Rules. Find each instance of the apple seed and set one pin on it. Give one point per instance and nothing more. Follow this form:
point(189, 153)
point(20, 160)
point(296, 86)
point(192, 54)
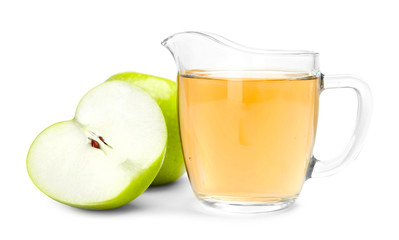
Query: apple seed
point(94, 143)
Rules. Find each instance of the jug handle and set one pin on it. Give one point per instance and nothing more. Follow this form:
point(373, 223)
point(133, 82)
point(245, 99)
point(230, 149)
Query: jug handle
point(323, 168)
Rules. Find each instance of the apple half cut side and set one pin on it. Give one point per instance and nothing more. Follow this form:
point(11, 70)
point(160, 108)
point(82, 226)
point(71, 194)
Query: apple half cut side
point(164, 91)
point(107, 155)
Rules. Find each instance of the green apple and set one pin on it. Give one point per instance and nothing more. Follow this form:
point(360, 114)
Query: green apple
point(107, 155)
point(164, 91)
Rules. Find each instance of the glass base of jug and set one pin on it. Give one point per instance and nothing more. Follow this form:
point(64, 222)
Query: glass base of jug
point(234, 206)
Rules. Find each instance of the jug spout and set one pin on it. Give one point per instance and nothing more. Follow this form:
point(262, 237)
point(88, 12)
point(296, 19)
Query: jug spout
point(200, 50)
point(193, 51)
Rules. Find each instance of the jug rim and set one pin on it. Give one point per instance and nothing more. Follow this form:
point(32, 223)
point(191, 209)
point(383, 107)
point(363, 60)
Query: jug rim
point(228, 43)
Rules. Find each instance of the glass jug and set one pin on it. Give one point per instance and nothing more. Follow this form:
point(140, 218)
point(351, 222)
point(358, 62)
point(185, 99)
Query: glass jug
point(248, 121)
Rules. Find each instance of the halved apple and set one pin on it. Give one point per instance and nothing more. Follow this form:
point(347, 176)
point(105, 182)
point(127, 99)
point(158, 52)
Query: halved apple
point(107, 155)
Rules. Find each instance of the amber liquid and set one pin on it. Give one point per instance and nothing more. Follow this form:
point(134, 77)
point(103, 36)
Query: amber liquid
point(247, 137)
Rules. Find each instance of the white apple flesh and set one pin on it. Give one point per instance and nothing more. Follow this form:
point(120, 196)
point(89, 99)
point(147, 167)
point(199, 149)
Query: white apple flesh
point(164, 91)
point(107, 155)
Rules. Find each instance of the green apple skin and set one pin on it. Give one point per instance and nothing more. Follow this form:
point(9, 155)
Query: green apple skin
point(164, 91)
point(136, 187)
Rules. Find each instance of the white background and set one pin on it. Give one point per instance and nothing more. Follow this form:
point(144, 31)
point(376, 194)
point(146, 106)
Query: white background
point(52, 52)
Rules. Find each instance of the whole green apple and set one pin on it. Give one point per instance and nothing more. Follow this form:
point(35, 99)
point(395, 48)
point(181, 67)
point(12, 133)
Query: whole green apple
point(164, 91)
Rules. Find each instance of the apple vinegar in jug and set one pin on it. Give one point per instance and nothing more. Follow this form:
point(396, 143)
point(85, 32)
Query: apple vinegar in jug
point(247, 134)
